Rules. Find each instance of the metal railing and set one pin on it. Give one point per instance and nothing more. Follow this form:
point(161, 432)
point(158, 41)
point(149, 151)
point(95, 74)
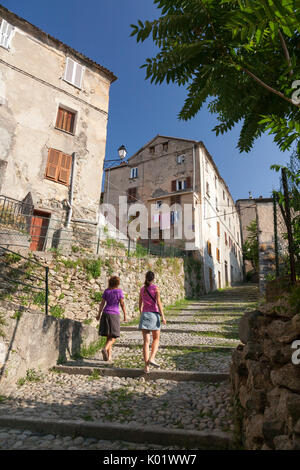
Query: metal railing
point(23, 277)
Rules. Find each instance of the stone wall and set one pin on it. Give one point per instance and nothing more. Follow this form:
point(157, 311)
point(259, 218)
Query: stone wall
point(265, 381)
point(76, 281)
point(35, 341)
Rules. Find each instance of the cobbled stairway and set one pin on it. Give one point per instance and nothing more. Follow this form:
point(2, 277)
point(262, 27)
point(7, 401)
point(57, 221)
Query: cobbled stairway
point(90, 404)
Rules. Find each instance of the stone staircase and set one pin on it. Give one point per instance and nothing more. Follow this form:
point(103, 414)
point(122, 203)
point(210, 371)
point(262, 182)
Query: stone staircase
point(92, 404)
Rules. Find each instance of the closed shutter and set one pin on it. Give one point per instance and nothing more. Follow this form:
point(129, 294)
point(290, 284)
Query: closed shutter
point(188, 182)
point(65, 120)
point(53, 164)
point(6, 31)
point(65, 168)
point(173, 186)
point(218, 228)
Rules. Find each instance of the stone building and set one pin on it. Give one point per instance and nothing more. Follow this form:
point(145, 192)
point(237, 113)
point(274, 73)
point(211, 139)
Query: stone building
point(177, 172)
point(53, 122)
point(262, 211)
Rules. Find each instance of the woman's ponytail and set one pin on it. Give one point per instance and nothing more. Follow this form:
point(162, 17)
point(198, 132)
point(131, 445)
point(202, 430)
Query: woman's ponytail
point(149, 278)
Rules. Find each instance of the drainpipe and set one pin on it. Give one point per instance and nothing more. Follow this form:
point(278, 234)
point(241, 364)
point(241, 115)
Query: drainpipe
point(70, 202)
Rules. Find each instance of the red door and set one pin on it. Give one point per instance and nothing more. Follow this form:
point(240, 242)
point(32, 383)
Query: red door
point(38, 230)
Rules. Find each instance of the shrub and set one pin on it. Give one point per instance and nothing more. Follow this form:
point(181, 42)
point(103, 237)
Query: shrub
point(92, 267)
point(57, 311)
point(39, 298)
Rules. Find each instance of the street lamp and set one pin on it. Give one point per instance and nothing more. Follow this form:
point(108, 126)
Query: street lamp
point(122, 155)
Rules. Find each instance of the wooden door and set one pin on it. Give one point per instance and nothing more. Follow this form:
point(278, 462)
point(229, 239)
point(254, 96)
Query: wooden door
point(38, 230)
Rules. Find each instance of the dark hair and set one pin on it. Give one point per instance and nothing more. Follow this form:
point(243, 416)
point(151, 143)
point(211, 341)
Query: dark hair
point(149, 278)
point(113, 282)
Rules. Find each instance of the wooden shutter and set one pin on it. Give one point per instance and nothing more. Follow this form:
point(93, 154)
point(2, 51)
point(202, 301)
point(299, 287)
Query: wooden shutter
point(218, 228)
point(65, 168)
point(53, 164)
point(65, 120)
point(188, 182)
point(6, 31)
point(173, 186)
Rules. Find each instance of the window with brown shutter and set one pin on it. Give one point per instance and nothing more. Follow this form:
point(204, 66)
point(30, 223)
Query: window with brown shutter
point(188, 182)
point(175, 200)
point(58, 167)
point(218, 228)
point(65, 120)
point(218, 255)
point(173, 186)
point(209, 248)
point(131, 195)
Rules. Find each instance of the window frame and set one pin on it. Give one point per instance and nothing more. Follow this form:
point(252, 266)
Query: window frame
point(134, 173)
point(68, 59)
point(180, 159)
point(11, 34)
point(68, 110)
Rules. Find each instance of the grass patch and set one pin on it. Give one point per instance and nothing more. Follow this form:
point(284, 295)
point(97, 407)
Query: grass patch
point(57, 311)
point(39, 298)
point(96, 296)
point(94, 376)
point(31, 376)
point(93, 348)
point(92, 267)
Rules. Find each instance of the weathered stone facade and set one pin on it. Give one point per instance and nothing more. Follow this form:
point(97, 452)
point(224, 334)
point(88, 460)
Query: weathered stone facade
point(265, 379)
point(34, 86)
point(168, 171)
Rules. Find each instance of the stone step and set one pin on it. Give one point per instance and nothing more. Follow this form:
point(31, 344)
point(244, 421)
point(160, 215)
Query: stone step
point(177, 322)
point(174, 330)
point(179, 376)
point(202, 440)
point(179, 347)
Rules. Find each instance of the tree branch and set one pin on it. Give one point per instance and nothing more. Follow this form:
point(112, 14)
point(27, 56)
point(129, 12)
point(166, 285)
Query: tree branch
point(269, 88)
point(286, 52)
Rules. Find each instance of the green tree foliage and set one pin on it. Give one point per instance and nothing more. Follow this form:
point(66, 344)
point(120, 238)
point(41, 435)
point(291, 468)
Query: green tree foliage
point(240, 55)
point(250, 247)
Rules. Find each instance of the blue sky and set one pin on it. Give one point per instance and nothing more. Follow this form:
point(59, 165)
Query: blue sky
point(139, 110)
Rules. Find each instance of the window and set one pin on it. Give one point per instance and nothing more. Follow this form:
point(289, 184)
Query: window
point(180, 159)
point(218, 228)
point(133, 173)
point(65, 120)
point(224, 195)
point(73, 73)
point(151, 150)
point(216, 182)
point(217, 205)
point(131, 195)
point(6, 34)
point(165, 146)
point(218, 255)
point(226, 243)
point(209, 249)
point(180, 185)
point(207, 189)
point(224, 215)
point(228, 201)
point(158, 204)
point(58, 166)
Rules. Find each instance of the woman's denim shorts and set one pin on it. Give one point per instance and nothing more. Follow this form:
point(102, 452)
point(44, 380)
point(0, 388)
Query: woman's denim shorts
point(149, 321)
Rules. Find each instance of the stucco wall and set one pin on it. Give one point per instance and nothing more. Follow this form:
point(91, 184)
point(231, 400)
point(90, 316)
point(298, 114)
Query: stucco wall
point(32, 88)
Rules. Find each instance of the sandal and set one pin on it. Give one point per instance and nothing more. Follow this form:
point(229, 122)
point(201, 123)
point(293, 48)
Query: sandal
point(104, 354)
point(154, 364)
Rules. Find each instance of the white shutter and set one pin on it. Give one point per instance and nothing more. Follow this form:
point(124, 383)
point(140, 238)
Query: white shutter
point(78, 75)
point(70, 64)
point(6, 31)
point(74, 72)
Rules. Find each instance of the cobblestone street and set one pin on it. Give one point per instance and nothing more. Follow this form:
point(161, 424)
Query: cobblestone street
point(196, 406)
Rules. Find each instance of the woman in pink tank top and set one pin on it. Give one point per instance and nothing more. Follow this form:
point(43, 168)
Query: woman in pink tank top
point(151, 310)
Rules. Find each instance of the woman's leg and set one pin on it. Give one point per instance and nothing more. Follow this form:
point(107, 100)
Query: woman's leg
point(146, 338)
point(155, 344)
point(108, 346)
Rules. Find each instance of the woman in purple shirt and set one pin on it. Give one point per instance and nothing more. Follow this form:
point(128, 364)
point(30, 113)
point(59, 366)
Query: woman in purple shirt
point(110, 318)
point(150, 309)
